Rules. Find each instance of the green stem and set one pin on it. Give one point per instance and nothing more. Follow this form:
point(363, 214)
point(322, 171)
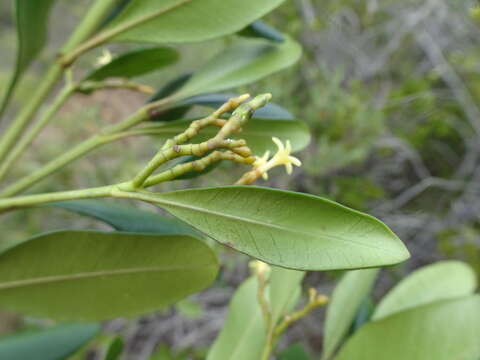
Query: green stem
point(33, 200)
point(109, 134)
point(25, 115)
point(91, 21)
point(122, 189)
point(33, 131)
point(172, 149)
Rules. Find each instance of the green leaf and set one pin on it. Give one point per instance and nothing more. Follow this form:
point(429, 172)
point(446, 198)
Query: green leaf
point(110, 274)
point(112, 348)
point(443, 330)
point(345, 302)
point(135, 63)
point(171, 87)
point(261, 29)
point(32, 23)
point(242, 63)
point(440, 281)
point(294, 352)
point(364, 314)
point(127, 218)
point(257, 132)
point(287, 229)
point(49, 344)
point(186, 20)
point(284, 289)
point(244, 333)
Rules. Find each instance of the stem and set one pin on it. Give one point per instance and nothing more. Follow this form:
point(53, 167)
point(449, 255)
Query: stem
point(275, 331)
point(89, 86)
point(32, 200)
point(25, 115)
point(107, 135)
point(172, 149)
point(32, 132)
point(91, 21)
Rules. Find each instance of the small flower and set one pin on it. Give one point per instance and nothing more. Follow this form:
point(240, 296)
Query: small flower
point(282, 157)
point(105, 58)
point(262, 165)
point(259, 267)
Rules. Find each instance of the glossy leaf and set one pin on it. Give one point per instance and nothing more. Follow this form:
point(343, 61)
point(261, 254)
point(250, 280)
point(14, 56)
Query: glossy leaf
point(127, 218)
point(243, 63)
point(87, 275)
point(135, 63)
point(49, 344)
point(285, 289)
point(257, 132)
point(287, 229)
point(440, 281)
point(244, 333)
point(345, 302)
point(443, 330)
point(31, 23)
point(186, 20)
point(261, 29)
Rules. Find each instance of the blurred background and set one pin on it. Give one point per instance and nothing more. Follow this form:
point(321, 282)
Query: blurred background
point(391, 92)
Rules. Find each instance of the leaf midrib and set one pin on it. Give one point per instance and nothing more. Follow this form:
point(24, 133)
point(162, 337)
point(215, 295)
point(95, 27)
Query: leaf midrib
point(278, 227)
point(143, 19)
point(88, 275)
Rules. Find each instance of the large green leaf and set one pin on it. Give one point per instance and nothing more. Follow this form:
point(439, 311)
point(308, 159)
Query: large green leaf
point(443, 330)
point(135, 63)
point(50, 344)
point(284, 289)
point(32, 21)
point(244, 333)
point(186, 20)
point(257, 132)
point(86, 275)
point(287, 229)
point(127, 218)
point(440, 281)
point(244, 62)
point(345, 302)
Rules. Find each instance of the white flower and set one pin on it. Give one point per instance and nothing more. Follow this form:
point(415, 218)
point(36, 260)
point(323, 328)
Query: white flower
point(105, 58)
point(282, 157)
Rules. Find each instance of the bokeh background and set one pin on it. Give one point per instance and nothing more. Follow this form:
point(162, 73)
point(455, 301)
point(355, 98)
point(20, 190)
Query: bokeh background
point(391, 92)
